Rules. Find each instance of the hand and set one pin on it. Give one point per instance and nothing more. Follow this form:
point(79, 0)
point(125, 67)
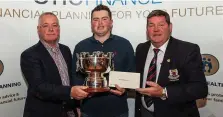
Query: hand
point(201, 102)
point(155, 90)
point(119, 91)
point(78, 92)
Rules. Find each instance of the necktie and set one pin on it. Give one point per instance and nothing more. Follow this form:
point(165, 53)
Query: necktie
point(151, 76)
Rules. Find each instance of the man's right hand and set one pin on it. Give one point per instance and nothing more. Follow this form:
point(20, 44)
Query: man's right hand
point(78, 92)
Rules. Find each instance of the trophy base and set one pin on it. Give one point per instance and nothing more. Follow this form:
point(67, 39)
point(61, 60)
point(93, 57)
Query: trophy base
point(96, 90)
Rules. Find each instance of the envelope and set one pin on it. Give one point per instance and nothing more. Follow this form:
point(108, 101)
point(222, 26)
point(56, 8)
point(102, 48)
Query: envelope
point(124, 79)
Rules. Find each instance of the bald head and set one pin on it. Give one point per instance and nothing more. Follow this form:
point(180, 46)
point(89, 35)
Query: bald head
point(44, 14)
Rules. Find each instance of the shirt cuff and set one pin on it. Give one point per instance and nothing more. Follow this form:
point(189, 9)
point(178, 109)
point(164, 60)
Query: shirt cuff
point(164, 94)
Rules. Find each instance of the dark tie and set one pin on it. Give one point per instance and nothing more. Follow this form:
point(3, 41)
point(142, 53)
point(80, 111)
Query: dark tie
point(151, 76)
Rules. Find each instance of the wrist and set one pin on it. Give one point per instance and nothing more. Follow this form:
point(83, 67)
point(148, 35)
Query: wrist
point(71, 97)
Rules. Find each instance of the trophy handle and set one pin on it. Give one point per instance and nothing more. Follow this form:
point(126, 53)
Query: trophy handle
point(85, 81)
point(108, 70)
point(110, 56)
point(78, 62)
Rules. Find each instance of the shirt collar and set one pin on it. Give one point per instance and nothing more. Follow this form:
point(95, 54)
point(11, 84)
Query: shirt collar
point(162, 48)
point(50, 48)
point(94, 40)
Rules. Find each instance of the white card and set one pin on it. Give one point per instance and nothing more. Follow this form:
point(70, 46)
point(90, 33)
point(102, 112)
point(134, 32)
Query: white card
point(124, 79)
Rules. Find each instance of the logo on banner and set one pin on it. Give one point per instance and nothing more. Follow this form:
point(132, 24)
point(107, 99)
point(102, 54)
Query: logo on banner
point(1, 67)
point(210, 64)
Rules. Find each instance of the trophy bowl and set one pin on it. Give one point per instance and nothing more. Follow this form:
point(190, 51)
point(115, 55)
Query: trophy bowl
point(95, 65)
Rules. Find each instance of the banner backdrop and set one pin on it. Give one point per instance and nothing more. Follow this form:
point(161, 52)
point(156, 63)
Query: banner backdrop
point(198, 21)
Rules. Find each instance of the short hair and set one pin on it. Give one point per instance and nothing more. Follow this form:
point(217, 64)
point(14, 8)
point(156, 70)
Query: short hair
point(46, 13)
point(159, 13)
point(102, 7)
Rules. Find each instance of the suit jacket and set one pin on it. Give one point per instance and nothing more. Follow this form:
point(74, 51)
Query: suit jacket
point(183, 86)
point(46, 96)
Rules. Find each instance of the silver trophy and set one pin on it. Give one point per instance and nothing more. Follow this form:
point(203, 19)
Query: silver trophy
point(95, 65)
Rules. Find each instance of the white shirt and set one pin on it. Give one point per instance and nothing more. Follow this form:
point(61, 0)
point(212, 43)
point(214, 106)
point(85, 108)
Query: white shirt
point(149, 58)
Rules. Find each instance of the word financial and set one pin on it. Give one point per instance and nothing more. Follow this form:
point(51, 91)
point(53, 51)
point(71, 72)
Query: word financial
point(32, 14)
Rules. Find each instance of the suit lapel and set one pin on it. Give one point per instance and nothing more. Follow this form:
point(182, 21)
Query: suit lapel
point(144, 53)
point(49, 62)
point(143, 56)
point(166, 63)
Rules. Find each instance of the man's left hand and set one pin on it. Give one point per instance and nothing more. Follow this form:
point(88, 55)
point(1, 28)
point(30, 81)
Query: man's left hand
point(119, 91)
point(155, 90)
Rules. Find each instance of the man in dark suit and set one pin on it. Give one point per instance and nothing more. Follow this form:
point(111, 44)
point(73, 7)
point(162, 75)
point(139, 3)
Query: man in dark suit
point(47, 68)
point(171, 72)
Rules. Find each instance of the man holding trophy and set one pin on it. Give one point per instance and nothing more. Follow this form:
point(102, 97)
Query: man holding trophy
point(46, 67)
point(93, 58)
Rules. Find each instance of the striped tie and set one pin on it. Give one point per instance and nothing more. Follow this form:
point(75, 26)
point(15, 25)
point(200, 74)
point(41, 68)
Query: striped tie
point(151, 76)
